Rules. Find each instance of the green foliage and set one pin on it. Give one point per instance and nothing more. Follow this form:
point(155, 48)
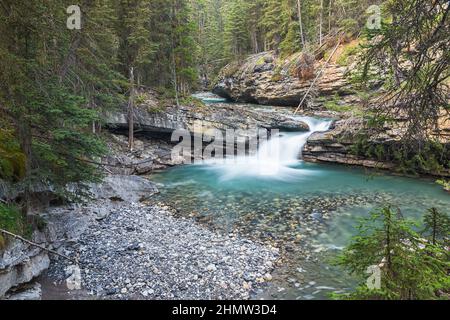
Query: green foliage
point(230, 30)
point(192, 101)
point(350, 51)
point(409, 54)
point(411, 267)
point(333, 105)
point(445, 184)
point(13, 221)
point(12, 160)
point(432, 157)
point(277, 23)
point(54, 84)
point(291, 42)
point(437, 226)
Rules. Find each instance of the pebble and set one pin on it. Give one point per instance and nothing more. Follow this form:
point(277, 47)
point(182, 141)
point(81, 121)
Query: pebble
point(162, 258)
point(268, 277)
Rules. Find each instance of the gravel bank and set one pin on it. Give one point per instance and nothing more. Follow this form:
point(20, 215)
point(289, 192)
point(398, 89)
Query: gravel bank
point(143, 252)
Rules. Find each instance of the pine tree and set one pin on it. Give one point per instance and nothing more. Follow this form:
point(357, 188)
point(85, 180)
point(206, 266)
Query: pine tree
point(437, 226)
point(184, 46)
point(49, 91)
point(276, 22)
point(411, 268)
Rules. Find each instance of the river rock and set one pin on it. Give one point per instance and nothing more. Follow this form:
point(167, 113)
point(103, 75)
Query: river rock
point(335, 145)
point(169, 263)
point(73, 282)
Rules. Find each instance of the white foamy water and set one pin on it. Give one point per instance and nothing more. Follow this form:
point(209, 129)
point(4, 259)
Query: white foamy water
point(274, 157)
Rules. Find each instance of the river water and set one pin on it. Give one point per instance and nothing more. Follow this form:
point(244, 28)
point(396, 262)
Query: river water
point(308, 210)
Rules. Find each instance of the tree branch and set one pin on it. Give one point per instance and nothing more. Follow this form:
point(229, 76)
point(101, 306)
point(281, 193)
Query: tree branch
point(37, 245)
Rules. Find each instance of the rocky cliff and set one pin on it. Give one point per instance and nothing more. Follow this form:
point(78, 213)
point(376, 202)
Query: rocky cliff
point(339, 145)
point(155, 121)
point(265, 79)
point(20, 263)
point(153, 116)
point(335, 146)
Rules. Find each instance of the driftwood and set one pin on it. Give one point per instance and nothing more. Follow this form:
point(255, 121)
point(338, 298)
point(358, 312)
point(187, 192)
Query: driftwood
point(37, 245)
point(317, 77)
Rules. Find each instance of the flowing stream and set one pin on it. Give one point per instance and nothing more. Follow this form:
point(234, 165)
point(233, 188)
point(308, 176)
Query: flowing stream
point(308, 210)
point(274, 158)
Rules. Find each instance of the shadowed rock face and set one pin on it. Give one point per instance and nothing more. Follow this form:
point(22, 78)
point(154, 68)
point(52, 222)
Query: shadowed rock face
point(218, 116)
point(335, 146)
point(260, 80)
point(20, 263)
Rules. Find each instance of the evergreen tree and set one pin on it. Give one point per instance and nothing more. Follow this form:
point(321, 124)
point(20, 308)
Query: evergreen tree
point(411, 268)
point(417, 32)
point(184, 46)
point(437, 226)
point(48, 92)
point(276, 21)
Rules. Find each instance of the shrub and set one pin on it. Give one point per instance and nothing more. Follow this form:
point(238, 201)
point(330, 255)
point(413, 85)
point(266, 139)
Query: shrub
point(12, 160)
point(350, 51)
point(13, 221)
point(411, 267)
point(433, 157)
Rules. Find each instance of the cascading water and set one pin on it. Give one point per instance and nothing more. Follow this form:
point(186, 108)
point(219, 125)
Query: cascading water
point(275, 157)
point(292, 144)
point(273, 195)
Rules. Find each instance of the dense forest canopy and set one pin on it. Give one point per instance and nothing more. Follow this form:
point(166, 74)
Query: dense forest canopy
point(66, 67)
point(56, 82)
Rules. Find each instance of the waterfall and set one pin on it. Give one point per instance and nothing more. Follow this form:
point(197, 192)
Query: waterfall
point(275, 157)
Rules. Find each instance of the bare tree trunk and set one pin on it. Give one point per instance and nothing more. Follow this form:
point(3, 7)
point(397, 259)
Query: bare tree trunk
point(174, 75)
point(24, 133)
point(174, 65)
point(321, 22)
point(330, 6)
point(299, 8)
point(131, 111)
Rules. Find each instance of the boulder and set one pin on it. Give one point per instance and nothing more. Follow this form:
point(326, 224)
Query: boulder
point(29, 293)
point(259, 79)
point(123, 188)
point(334, 146)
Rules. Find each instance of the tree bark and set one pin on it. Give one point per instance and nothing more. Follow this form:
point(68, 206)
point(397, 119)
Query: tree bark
point(25, 137)
point(321, 22)
point(299, 8)
point(330, 6)
point(131, 111)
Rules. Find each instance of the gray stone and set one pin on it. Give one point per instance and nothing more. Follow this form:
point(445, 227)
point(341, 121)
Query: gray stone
point(124, 188)
point(33, 292)
point(27, 265)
